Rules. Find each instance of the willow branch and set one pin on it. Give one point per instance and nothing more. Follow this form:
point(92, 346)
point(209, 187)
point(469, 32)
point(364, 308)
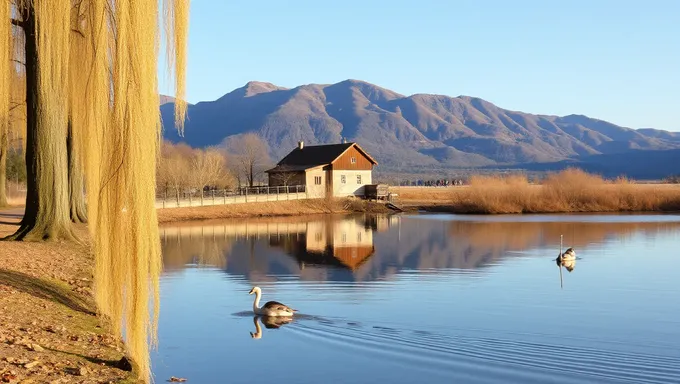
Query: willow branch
point(18, 23)
point(78, 31)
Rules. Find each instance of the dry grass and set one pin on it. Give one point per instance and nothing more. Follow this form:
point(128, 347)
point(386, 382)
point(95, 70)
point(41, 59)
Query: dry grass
point(571, 190)
point(425, 195)
point(268, 209)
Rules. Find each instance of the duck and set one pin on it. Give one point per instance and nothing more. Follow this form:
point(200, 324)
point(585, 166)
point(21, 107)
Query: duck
point(270, 308)
point(568, 255)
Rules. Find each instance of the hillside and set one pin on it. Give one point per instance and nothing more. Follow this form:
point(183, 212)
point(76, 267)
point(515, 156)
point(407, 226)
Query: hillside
point(403, 132)
point(636, 164)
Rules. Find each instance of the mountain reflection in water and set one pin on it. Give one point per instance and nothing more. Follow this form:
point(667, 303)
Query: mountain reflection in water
point(369, 248)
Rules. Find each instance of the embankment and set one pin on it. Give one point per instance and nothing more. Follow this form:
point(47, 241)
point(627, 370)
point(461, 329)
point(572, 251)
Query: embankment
point(270, 209)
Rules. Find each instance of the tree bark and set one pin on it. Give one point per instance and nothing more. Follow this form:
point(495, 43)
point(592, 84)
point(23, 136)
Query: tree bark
point(76, 180)
point(46, 215)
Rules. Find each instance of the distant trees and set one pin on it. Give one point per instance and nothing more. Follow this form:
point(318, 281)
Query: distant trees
point(208, 167)
point(182, 167)
point(173, 168)
point(249, 154)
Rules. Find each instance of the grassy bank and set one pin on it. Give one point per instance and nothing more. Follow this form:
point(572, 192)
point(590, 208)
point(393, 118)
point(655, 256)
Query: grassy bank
point(48, 330)
point(564, 192)
point(269, 209)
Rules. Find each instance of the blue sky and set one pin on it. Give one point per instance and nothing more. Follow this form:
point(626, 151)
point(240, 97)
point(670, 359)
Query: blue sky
point(616, 60)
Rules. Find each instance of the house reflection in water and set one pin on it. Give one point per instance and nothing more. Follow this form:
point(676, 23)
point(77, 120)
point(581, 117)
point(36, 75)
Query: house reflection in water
point(321, 248)
point(337, 243)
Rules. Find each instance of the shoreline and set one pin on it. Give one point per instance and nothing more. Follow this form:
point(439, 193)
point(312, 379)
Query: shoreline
point(318, 207)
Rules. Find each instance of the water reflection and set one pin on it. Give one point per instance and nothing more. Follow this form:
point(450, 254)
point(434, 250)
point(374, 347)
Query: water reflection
point(270, 323)
point(365, 248)
point(405, 299)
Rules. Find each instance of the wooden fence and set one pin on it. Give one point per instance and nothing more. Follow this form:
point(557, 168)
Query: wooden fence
point(170, 199)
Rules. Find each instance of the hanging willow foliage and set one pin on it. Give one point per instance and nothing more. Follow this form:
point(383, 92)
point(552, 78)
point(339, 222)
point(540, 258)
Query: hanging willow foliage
point(5, 84)
point(176, 34)
point(103, 54)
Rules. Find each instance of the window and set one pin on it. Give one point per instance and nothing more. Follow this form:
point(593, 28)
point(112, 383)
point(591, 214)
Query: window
point(358, 179)
point(317, 180)
point(353, 160)
point(343, 179)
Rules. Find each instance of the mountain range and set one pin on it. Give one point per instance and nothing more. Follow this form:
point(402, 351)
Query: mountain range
point(408, 132)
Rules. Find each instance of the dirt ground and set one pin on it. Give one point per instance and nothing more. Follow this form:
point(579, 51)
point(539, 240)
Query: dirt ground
point(48, 330)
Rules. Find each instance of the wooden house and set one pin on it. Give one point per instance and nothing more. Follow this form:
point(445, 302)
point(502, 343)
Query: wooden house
point(333, 169)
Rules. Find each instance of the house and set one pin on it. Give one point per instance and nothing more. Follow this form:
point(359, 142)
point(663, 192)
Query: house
point(333, 169)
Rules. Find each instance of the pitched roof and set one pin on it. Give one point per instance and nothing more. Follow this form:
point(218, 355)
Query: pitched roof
point(315, 155)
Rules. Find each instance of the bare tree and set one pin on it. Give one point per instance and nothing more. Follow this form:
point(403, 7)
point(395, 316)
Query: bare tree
point(207, 168)
point(249, 154)
point(284, 175)
point(173, 170)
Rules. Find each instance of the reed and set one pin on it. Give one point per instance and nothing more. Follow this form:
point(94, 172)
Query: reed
point(571, 190)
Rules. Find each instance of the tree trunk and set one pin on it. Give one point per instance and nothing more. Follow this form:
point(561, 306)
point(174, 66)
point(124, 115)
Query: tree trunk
point(76, 180)
point(3, 168)
point(47, 210)
point(251, 175)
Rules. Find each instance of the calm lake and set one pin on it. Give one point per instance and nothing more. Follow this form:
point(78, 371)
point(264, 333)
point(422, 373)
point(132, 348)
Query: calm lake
point(423, 299)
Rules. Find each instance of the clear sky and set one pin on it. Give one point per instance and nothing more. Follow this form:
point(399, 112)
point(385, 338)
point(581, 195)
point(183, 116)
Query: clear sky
point(616, 60)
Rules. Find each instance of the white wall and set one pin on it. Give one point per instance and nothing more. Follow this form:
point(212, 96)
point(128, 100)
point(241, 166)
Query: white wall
point(350, 187)
point(314, 190)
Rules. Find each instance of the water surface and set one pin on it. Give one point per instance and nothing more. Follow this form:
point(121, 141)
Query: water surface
point(423, 299)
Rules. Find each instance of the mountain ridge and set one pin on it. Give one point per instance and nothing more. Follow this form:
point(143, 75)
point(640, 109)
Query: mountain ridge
point(406, 131)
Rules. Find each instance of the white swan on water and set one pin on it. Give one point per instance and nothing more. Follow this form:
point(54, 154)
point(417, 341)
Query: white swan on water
point(270, 308)
point(568, 255)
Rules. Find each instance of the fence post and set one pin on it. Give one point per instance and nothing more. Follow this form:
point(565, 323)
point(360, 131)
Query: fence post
point(267, 193)
point(246, 194)
point(225, 196)
point(213, 194)
point(165, 197)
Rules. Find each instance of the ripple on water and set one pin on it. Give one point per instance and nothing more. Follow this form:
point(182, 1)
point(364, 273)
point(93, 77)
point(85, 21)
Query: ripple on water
point(475, 355)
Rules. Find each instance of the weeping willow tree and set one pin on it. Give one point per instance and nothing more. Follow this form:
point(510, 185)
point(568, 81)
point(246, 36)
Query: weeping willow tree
point(5, 76)
point(92, 109)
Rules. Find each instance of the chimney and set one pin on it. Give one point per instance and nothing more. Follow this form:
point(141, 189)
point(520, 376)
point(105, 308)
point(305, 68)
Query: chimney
point(301, 144)
point(344, 140)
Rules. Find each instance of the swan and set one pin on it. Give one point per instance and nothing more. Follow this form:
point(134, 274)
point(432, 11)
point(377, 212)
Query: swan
point(568, 255)
point(270, 308)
